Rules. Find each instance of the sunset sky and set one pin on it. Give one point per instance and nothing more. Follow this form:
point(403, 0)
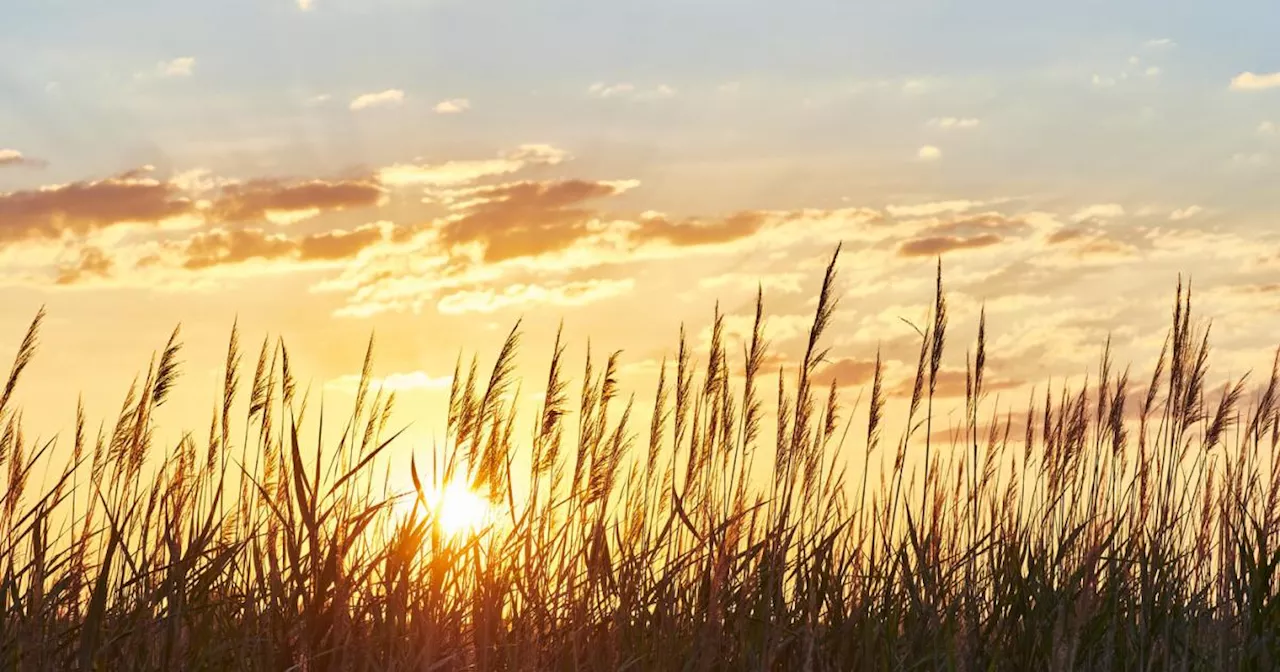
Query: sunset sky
point(434, 170)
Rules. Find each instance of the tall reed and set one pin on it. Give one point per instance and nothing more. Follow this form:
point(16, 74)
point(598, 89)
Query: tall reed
point(1099, 527)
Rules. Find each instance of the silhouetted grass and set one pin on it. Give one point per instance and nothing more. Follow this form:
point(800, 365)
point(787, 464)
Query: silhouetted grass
point(1106, 527)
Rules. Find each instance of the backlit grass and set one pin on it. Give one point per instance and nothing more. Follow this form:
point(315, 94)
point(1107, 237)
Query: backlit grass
point(1121, 525)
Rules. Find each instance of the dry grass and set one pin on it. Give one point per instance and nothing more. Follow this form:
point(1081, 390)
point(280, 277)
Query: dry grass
point(1100, 536)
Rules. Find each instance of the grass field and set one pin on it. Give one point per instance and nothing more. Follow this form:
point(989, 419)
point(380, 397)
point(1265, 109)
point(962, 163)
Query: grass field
point(1123, 525)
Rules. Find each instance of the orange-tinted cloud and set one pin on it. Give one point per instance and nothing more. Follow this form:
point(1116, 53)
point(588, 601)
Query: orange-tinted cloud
point(930, 246)
point(700, 231)
point(951, 383)
point(523, 219)
point(847, 372)
point(215, 248)
point(222, 247)
point(335, 245)
point(80, 208)
point(272, 198)
point(93, 262)
point(1065, 234)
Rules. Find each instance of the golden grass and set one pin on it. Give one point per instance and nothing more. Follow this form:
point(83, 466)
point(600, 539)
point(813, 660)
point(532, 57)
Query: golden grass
point(1099, 536)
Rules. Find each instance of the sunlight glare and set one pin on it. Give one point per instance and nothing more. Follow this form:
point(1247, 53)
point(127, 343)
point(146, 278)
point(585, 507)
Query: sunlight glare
point(458, 510)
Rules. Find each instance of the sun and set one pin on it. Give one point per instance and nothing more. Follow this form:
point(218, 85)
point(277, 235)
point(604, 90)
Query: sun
point(457, 510)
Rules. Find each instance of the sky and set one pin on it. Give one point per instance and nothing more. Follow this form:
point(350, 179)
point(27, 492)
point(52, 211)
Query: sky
point(432, 171)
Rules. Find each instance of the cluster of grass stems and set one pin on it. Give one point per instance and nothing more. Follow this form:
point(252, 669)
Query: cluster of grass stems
point(1103, 528)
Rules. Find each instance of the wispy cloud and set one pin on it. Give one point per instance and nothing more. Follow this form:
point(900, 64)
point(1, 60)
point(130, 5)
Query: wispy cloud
point(929, 153)
point(1160, 42)
point(178, 67)
point(1251, 159)
point(957, 123)
point(1248, 81)
point(388, 98)
point(630, 91)
point(931, 209)
point(12, 157)
point(1182, 214)
point(453, 106)
point(458, 172)
point(305, 5)
point(1099, 211)
point(319, 99)
point(1269, 128)
point(575, 293)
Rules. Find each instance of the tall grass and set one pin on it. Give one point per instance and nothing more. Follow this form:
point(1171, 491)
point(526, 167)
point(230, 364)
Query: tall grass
point(1114, 526)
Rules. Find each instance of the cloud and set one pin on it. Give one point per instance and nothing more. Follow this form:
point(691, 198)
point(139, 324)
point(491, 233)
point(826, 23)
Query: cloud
point(910, 86)
point(305, 5)
point(222, 247)
point(546, 239)
point(12, 157)
point(80, 208)
point(319, 99)
point(523, 219)
point(952, 383)
point(949, 123)
point(453, 106)
point(846, 372)
point(178, 67)
point(454, 173)
point(396, 382)
point(1160, 42)
point(602, 90)
point(285, 202)
point(1188, 212)
point(1251, 159)
point(388, 98)
point(1066, 234)
point(1084, 246)
point(1268, 128)
point(932, 246)
point(92, 262)
point(1152, 71)
point(1100, 211)
point(986, 223)
point(1248, 81)
point(1103, 82)
point(339, 244)
point(578, 293)
point(929, 153)
point(699, 231)
point(219, 247)
point(630, 91)
point(662, 91)
point(932, 209)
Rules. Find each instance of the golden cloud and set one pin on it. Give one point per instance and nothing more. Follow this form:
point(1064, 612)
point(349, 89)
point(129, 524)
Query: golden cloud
point(284, 202)
point(932, 246)
point(80, 208)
